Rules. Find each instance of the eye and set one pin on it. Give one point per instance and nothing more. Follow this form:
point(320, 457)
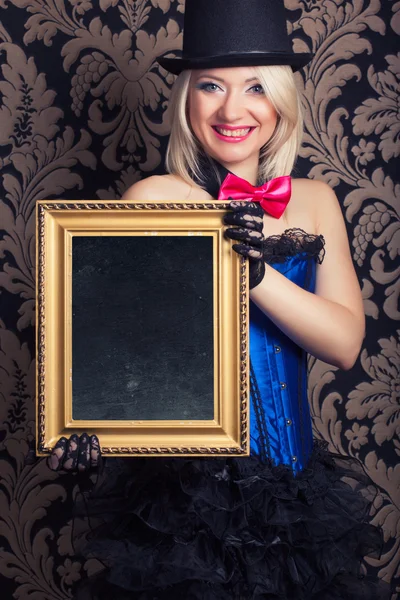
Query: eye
point(209, 86)
point(259, 87)
point(206, 86)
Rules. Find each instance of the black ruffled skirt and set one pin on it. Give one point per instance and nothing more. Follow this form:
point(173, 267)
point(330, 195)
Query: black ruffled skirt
point(231, 528)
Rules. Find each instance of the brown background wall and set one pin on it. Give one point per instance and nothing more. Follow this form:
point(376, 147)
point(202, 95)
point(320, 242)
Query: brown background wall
point(83, 115)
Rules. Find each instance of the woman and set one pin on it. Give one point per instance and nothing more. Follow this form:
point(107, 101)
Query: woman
point(280, 523)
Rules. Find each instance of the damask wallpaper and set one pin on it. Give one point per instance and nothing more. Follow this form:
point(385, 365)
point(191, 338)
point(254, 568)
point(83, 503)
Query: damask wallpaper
point(84, 114)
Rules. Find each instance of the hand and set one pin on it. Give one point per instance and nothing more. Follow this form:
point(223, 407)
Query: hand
point(77, 453)
point(249, 217)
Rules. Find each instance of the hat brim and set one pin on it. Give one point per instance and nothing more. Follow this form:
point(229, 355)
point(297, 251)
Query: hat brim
point(250, 59)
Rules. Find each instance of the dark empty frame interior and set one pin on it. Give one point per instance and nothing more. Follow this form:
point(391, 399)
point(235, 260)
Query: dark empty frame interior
point(142, 327)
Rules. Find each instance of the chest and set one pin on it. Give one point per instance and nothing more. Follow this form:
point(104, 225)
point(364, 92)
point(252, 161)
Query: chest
point(300, 212)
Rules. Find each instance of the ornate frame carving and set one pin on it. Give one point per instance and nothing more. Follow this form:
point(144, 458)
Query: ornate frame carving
point(56, 224)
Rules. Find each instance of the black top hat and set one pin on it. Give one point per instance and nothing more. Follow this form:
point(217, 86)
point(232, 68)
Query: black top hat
point(235, 33)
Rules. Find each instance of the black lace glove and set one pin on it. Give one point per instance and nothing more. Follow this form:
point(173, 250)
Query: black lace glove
point(248, 216)
point(76, 454)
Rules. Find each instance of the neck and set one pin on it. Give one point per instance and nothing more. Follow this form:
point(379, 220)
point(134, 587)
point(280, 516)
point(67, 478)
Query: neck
point(215, 176)
point(247, 170)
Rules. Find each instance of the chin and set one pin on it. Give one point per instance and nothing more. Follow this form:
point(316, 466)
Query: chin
point(229, 156)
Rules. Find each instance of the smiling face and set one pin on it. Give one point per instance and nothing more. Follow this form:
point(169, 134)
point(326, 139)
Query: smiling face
point(230, 114)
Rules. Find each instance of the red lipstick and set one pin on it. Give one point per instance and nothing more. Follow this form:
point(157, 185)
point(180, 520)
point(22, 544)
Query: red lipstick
point(231, 139)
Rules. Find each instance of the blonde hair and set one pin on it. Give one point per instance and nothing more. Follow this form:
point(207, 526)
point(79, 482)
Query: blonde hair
point(277, 156)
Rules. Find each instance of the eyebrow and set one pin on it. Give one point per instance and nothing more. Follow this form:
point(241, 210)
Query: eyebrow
point(222, 80)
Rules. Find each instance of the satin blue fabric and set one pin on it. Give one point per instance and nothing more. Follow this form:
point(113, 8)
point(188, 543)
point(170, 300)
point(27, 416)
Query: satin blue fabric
point(280, 421)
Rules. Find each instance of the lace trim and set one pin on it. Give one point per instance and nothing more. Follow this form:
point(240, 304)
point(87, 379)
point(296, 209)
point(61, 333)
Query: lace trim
point(277, 248)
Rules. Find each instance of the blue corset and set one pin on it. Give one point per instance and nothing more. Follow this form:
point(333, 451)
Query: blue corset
point(280, 420)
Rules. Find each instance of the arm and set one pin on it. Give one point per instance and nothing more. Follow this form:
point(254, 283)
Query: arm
point(329, 324)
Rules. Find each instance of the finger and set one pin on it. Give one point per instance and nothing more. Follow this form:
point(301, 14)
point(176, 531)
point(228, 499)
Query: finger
point(248, 220)
point(248, 251)
point(71, 458)
point(95, 454)
point(84, 453)
point(55, 460)
point(254, 238)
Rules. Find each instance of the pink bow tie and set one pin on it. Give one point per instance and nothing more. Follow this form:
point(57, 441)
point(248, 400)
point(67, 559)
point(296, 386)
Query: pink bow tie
point(273, 195)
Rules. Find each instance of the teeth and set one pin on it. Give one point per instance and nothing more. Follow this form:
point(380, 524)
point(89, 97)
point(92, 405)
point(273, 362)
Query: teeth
point(234, 133)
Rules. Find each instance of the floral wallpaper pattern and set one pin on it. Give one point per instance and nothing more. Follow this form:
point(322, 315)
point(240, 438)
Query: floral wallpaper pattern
point(84, 114)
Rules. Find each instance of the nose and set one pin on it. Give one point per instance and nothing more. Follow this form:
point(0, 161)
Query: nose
point(232, 107)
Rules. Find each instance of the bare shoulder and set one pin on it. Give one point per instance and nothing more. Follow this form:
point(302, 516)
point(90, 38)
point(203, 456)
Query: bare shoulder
point(310, 186)
point(156, 187)
point(317, 198)
point(169, 187)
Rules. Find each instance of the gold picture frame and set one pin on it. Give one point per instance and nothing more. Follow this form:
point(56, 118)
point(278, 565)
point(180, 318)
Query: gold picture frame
point(58, 224)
